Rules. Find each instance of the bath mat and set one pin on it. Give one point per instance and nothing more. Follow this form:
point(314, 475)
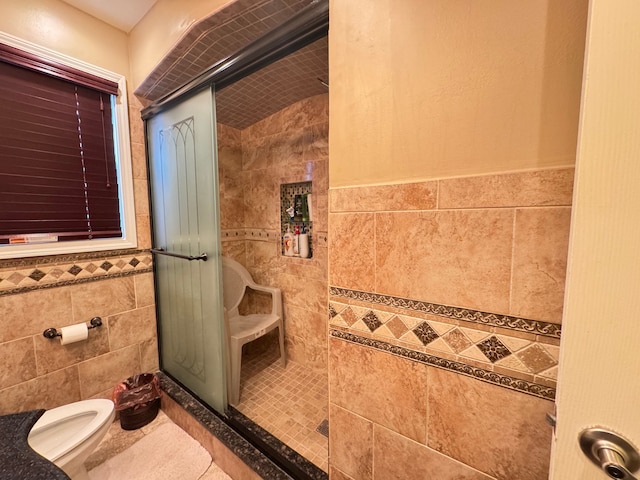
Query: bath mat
point(167, 452)
point(323, 428)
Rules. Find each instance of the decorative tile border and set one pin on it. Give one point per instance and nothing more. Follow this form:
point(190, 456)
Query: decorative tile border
point(524, 356)
point(233, 234)
point(58, 271)
point(536, 327)
point(258, 234)
point(265, 235)
point(484, 375)
point(68, 258)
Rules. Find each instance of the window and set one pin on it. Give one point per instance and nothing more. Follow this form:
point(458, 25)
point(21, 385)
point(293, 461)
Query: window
point(65, 168)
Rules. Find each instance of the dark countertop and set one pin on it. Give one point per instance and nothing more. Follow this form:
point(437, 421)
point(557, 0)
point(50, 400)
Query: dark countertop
point(17, 460)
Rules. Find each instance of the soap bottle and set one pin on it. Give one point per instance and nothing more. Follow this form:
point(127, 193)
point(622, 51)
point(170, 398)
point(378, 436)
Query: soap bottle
point(296, 241)
point(304, 243)
point(287, 240)
point(305, 209)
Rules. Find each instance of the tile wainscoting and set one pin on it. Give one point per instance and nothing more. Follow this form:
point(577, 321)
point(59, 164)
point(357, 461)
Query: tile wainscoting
point(445, 305)
point(57, 291)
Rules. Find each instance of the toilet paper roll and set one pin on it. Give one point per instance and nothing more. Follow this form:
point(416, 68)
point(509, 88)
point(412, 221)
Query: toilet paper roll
point(74, 333)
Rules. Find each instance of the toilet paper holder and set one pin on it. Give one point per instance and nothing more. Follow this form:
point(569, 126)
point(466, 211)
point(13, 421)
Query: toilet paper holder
point(53, 333)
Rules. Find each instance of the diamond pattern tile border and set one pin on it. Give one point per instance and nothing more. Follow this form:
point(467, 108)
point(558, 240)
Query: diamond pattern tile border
point(525, 356)
point(474, 316)
point(19, 276)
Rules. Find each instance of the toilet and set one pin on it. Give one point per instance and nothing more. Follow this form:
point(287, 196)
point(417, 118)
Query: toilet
point(68, 434)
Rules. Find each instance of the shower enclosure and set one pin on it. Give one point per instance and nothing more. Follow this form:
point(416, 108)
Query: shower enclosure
point(182, 151)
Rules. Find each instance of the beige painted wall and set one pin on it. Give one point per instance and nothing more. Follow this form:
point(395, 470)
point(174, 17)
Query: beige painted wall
point(58, 26)
point(427, 89)
point(161, 28)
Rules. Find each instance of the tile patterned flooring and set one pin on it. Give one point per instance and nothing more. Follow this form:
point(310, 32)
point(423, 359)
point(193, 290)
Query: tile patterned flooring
point(117, 440)
point(290, 403)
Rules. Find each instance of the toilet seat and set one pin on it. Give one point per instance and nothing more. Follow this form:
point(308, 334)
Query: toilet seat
point(62, 429)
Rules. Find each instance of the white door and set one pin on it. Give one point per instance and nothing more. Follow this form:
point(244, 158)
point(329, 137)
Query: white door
point(599, 378)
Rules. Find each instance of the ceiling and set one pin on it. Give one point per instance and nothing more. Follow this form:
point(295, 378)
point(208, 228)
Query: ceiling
point(239, 105)
point(122, 14)
point(287, 81)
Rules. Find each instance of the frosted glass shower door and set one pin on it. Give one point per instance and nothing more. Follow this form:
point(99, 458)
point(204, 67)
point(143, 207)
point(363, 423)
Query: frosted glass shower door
point(184, 191)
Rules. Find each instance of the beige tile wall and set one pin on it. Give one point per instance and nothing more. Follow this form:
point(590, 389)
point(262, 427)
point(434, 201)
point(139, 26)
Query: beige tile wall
point(288, 147)
point(495, 245)
point(393, 418)
point(36, 372)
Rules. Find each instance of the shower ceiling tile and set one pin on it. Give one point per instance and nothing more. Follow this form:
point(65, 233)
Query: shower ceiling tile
point(274, 87)
point(259, 95)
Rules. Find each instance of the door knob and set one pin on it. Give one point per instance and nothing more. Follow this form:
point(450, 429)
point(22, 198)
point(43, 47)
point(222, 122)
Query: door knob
point(615, 455)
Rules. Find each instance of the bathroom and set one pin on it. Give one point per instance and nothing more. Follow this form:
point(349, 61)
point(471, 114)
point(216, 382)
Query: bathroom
point(396, 187)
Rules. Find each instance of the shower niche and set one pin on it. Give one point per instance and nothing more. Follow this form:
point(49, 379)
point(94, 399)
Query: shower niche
point(296, 219)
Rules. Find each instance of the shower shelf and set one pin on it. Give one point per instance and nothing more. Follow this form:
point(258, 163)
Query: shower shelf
point(291, 195)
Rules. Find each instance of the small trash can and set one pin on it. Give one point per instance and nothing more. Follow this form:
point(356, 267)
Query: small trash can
point(138, 400)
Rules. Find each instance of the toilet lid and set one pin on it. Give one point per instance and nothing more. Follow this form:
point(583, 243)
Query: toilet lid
point(62, 429)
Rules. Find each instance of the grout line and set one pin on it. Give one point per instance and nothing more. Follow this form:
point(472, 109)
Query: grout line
point(513, 256)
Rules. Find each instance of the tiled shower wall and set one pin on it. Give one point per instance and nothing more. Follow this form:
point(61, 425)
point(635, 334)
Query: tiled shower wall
point(44, 292)
point(289, 146)
point(445, 308)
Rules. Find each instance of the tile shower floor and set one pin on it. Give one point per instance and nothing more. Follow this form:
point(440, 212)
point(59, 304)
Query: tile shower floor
point(290, 403)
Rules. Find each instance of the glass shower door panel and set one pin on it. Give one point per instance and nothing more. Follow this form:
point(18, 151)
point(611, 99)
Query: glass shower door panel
point(183, 172)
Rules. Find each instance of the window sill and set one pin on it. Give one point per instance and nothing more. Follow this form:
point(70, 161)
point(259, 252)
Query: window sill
point(49, 249)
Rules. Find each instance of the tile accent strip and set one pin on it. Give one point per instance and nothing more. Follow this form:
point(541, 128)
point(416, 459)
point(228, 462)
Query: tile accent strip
point(265, 235)
point(58, 271)
point(258, 234)
point(537, 327)
point(73, 257)
point(494, 378)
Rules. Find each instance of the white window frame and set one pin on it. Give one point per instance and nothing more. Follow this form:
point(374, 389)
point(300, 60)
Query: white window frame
point(122, 146)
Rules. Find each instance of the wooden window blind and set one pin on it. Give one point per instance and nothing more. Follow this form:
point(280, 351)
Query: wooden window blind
point(57, 163)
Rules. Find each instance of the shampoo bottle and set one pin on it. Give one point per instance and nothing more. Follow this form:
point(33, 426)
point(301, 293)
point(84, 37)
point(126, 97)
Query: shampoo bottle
point(287, 240)
point(296, 241)
point(304, 243)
